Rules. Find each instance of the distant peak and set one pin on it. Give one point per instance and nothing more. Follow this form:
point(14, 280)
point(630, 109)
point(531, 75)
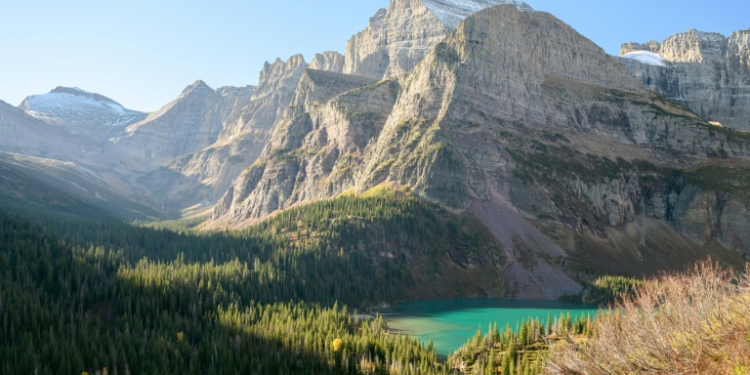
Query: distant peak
point(198, 85)
point(70, 90)
point(452, 12)
point(74, 93)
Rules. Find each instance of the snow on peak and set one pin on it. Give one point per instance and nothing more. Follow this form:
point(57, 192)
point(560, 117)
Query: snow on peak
point(79, 110)
point(452, 12)
point(646, 57)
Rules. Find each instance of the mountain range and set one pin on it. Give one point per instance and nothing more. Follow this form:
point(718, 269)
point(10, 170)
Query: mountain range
point(577, 162)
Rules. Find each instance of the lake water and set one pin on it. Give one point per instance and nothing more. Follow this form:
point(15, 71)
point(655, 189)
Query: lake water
point(450, 323)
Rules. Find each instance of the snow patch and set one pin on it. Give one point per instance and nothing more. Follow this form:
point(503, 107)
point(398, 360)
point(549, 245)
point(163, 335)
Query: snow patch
point(452, 12)
point(646, 57)
point(80, 111)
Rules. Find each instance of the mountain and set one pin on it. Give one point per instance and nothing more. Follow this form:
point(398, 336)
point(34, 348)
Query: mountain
point(80, 111)
point(707, 72)
point(516, 119)
point(187, 124)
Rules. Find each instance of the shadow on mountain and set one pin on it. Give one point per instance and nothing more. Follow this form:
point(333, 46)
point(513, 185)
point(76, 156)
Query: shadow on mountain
point(67, 310)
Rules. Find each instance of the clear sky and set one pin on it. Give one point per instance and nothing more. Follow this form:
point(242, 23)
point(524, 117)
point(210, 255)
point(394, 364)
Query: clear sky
point(142, 53)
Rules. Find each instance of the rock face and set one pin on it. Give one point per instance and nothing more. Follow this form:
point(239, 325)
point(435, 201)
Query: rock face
point(401, 36)
point(707, 72)
point(331, 61)
point(395, 41)
point(519, 120)
point(81, 112)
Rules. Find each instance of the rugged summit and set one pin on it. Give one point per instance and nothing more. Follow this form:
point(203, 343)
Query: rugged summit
point(80, 111)
point(395, 41)
point(400, 36)
point(330, 60)
point(707, 72)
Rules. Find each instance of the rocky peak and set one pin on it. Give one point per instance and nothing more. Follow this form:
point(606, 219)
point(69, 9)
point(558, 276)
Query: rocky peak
point(272, 72)
point(331, 61)
point(197, 86)
point(452, 12)
point(630, 47)
point(395, 41)
point(694, 46)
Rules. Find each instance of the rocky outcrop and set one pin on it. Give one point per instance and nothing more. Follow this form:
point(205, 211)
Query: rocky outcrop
point(395, 41)
point(707, 72)
point(630, 47)
point(330, 60)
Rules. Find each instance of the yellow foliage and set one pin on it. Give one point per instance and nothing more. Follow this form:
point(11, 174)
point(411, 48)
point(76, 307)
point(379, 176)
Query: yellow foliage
point(180, 336)
point(337, 344)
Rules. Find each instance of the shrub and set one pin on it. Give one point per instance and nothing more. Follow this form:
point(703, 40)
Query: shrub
point(694, 323)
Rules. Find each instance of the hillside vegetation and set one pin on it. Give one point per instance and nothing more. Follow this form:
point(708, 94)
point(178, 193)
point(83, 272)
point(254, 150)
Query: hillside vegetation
point(83, 293)
point(692, 323)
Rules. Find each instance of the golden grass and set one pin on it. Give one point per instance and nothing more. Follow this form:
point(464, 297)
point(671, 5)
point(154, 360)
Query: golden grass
point(692, 323)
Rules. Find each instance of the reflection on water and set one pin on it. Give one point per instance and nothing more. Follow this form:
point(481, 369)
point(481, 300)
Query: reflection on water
point(450, 323)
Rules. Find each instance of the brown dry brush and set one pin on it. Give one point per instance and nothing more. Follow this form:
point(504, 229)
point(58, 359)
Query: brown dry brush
point(692, 323)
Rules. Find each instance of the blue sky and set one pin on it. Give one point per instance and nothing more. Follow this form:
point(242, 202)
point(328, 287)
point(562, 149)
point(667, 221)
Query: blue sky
point(142, 53)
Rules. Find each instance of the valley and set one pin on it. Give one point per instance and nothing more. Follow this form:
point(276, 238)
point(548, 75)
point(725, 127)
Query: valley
point(467, 162)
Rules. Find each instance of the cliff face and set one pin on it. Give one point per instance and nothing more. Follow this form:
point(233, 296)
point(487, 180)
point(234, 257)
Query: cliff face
point(517, 119)
point(317, 147)
point(330, 61)
point(707, 72)
point(401, 36)
point(395, 41)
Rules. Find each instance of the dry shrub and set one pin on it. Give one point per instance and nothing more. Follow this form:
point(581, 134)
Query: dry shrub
point(692, 323)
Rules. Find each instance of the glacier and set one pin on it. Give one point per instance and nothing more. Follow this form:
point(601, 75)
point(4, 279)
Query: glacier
point(646, 57)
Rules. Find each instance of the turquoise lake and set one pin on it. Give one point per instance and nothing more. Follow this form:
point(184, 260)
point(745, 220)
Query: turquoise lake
point(450, 323)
